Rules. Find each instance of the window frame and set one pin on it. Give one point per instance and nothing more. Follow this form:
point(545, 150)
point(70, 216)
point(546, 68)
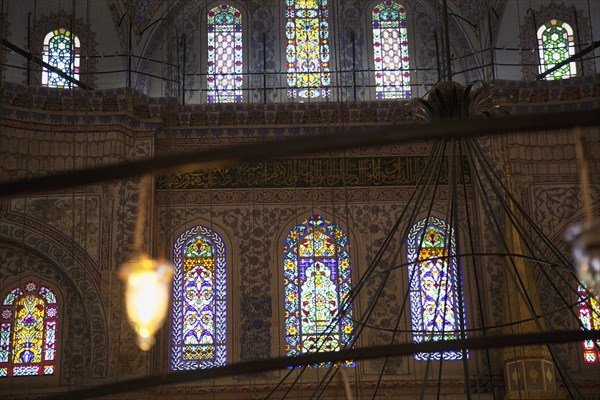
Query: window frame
point(56, 319)
point(291, 292)
point(222, 314)
point(419, 334)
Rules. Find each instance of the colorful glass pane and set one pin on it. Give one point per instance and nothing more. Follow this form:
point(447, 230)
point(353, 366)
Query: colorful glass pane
point(589, 315)
point(390, 51)
point(317, 284)
point(433, 277)
point(556, 44)
point(61, 50)
point(225, 65)
point(307, 51)
point(198, 334)
point(28, 329)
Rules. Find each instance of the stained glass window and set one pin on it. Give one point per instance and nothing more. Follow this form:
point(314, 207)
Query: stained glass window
point(224, 55)
point(589, 315)
point(28, 331)
point(317, 284)
point(390, 51)
point(61, 50)
point(556, 44)
point(433, 277)
point(198, 334)
point(307, 51)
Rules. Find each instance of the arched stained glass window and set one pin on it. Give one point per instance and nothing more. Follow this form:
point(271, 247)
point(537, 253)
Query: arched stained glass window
point(61, 50)
point(433, 277)
point(556, 44)
point(390, 51)
point(199, 324)
point(225, 55)
point(28, 331)
point(307, 51)
point(317, 284)
point(589, 315)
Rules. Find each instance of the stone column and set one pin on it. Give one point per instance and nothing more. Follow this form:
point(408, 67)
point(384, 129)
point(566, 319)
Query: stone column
point(529, 372)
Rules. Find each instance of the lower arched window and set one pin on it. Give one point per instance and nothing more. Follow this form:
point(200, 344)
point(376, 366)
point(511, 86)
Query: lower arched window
point(317, 285)
point(199, 323)
point(28, 331)
point(436, 308)
point(589, 315)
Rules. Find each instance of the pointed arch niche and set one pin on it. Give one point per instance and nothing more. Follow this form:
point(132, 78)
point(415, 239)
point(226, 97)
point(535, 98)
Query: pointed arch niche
point(437, 310)
point(390, 50)
point(225, 63)
point(556, 43)
point(589, 316)
point(307, 50)
point(317, 271)
point(28, 330)
point(199, 310)
point(61, 49)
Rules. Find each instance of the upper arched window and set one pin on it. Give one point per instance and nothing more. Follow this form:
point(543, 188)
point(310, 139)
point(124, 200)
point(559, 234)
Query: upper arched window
point(390, 51)
point(225, 57)
point(589, 315)
point(317, 285)
point(199, 323)
point(434, 278)
point(307, 51)
point(61, 50)
point(28, 331)
point(556, 44)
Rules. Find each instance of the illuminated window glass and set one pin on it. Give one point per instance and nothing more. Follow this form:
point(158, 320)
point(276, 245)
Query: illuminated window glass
point(61, 50)
point(433, 276)
point(556, 44)
point(198, 334)
point(224, 55)
point(28, 331)
point(307, 51)
point(390, 51)
point(317, 286)
point(589, 315)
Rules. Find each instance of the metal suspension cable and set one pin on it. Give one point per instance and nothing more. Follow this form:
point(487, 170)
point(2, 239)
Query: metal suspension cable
point(434, 155)
point(474, 259)
point(528, 243)
point(521, 288)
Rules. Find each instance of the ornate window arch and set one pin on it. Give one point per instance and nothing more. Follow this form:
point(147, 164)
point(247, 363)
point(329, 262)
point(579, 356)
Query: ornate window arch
point(54, 20)
point(199, 314)
point(28, 331)
point(589, 315)
point(317, 284)
point(62, 50)
point(556, 44)
point(225, 54)
point(532, 22)
point(390, 50)
point(307, 48)
point(433, 274)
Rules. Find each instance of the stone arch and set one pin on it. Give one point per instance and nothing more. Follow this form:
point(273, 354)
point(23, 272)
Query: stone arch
point(54, 20)
point(56, 261)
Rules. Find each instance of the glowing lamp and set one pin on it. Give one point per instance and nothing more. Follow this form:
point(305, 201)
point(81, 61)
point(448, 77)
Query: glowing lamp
point(147, 294)
point(585, 242)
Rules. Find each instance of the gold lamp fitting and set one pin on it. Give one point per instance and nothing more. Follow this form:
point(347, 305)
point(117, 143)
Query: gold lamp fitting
point(147, 294)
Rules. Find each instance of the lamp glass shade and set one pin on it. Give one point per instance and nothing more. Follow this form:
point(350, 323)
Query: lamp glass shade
point(147, 294)
point(585, 242)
